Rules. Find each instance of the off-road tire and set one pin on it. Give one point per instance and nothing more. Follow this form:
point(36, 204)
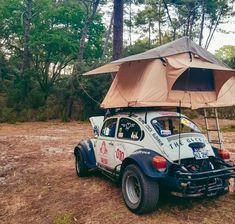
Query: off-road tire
point(143, 197)
point(80, 166)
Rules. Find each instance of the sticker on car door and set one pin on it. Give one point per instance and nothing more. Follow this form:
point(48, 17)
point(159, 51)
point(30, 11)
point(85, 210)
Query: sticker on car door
point(104, 153)
point(120, 153)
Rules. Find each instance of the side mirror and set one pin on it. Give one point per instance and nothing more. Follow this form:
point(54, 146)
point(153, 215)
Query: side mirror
point(96, 131)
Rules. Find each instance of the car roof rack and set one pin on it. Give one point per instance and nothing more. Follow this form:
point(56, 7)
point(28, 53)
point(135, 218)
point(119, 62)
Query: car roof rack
point(131, 110)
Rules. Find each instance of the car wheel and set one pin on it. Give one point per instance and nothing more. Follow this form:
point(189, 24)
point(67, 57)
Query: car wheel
point(81, 168)
point(140, 193)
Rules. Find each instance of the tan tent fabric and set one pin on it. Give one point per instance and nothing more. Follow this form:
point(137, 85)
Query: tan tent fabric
point(177, 64)
point(178, 73)
point(148, 83)
point(131, 85)
point(104, 69)
point(226, 95)
point(180, 46)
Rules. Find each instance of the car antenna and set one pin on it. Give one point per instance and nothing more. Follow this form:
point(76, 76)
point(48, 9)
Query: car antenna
point(179, 111)
point(106, 113)
point(130, 112)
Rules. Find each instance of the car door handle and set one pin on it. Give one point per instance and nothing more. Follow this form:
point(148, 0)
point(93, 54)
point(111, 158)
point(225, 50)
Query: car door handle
point(111, 143)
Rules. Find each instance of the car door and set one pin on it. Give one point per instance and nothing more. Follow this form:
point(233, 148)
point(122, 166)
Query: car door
point(105, 143)
point(130, 137)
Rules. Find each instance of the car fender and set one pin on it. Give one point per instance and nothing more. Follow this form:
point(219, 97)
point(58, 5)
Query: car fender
point(87, 150)
point(143, 159)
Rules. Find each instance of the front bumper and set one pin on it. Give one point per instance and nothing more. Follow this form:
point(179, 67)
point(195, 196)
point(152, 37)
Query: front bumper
point(207, 183)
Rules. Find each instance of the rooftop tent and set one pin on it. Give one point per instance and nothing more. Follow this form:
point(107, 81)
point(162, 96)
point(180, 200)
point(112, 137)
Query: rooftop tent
point(179, 72)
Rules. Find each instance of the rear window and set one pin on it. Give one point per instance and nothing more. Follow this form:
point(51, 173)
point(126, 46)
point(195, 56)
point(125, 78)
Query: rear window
point(166, 126)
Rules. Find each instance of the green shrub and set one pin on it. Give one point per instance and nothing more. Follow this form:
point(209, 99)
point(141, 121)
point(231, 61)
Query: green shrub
point(36, 99)
point(65, 218)
point(192, 114)
point(64, 117)
point(230, 128)
point(7, 115)
point(41, 115)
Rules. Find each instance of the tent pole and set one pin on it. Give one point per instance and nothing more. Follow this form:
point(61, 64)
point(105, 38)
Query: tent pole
point(179, 111)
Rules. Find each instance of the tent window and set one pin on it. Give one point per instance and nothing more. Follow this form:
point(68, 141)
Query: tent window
point(195, 79)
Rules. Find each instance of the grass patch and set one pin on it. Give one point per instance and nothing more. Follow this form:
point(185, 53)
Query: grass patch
point(64, 218)
point(230, 128)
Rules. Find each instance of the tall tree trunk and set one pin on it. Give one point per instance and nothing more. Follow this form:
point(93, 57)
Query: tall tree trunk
point(149, 31)
point(191, 25)
point(202, 23)
point(79, 61)
point(27, 17)
point(118, 29)
point(169, 17)
point(130, 25)
point(184, 29)
point(187, 25)
point(159, 22)
point(174, 33)
point(107, 37)
point(212, 31)
point(208, 37)
point(89, 20)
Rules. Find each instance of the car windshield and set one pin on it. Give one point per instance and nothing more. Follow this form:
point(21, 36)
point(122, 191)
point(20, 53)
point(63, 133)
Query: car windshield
point(166, 126)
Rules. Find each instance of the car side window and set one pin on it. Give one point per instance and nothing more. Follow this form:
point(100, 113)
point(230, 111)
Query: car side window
point(128, 129)
point(109, 128)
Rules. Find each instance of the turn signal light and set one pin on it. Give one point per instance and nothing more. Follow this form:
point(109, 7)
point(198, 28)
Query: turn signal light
point(224, 154)
point(159, 163)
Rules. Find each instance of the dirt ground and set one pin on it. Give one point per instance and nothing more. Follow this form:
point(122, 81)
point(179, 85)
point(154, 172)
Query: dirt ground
point(38, 183)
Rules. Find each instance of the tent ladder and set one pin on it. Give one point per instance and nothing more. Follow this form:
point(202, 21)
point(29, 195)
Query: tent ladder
point(213, 115)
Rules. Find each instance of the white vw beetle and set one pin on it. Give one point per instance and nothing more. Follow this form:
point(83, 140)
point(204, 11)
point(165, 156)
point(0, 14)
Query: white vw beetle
point(147, 150)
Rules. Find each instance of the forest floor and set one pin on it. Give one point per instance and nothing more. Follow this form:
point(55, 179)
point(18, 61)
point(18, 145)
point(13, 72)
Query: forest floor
point(38, 183)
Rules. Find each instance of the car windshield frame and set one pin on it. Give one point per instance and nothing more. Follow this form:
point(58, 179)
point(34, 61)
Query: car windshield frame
point(169, 132)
